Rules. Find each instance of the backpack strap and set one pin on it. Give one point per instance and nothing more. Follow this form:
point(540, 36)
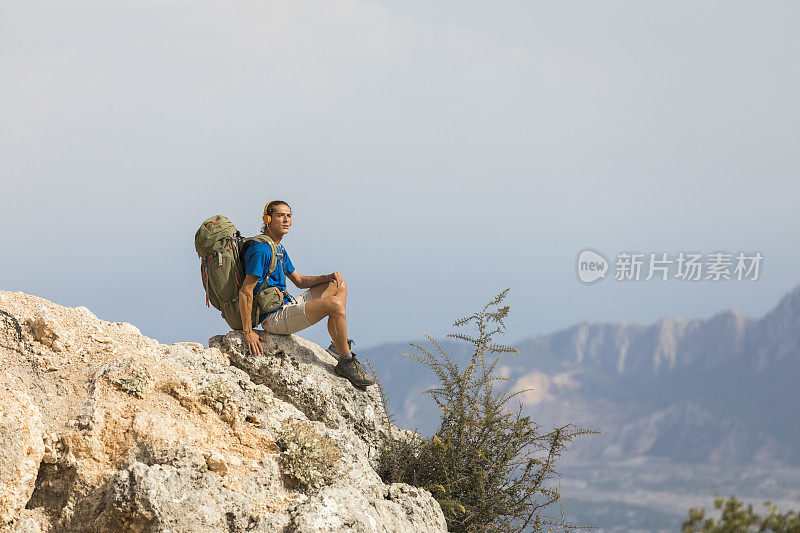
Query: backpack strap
point(264, 239)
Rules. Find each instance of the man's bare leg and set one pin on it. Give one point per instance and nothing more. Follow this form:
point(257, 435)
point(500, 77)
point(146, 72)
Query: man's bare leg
point(329, 288)
point(331, 301)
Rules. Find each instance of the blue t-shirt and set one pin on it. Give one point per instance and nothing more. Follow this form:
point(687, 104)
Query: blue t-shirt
point(256, 262)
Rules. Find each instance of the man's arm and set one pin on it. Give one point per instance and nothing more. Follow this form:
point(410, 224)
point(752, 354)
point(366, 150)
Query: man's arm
point(246, 310)
point(306, 282)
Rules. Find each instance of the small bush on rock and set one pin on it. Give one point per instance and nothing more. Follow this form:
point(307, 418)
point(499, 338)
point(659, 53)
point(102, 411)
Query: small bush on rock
point(306, 456)
point(172, 386)
point(736, 517)
point(488, 466)
point(134, 381)
point(261, 394)
point(218, 394)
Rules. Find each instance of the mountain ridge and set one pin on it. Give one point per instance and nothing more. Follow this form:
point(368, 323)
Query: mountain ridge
point(742, 371)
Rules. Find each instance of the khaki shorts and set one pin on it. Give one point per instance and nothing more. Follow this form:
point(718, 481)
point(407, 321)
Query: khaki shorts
point(289, 318)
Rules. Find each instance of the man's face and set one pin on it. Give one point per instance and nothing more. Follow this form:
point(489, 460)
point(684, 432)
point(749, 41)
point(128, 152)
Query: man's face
point(281, 220)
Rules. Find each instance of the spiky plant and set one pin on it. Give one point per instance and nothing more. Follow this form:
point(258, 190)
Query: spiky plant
point(488, 465)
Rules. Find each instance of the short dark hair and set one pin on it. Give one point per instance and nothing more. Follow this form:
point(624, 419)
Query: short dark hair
point(275, 203)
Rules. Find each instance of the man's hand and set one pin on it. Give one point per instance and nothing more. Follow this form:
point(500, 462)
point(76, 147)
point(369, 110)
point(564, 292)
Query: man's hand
point(253, 342)
point(336, 278)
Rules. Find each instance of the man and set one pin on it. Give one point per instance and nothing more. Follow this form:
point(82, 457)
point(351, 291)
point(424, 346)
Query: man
point(326, 297)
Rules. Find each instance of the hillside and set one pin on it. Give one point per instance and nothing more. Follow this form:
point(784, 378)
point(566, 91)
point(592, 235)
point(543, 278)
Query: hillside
point(104, 429)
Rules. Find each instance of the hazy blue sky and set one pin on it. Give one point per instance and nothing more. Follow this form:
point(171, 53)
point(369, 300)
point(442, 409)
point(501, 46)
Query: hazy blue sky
point(433, 152)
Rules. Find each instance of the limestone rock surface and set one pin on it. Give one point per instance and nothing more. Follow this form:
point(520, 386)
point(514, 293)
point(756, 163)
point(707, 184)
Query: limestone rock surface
point(103, 429)
point(21, 450)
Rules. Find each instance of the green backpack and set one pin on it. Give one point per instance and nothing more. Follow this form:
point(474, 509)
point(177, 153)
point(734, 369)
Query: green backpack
point(221, 249)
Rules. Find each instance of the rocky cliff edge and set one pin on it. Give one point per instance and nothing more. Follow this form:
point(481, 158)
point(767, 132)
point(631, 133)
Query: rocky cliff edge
point(104, 429)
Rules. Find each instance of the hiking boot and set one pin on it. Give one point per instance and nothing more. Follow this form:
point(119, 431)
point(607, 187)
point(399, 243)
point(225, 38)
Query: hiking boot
point(355, 371)
point(335, 353)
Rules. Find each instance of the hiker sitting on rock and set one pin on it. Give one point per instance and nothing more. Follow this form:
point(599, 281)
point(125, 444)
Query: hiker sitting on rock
point(326, 297)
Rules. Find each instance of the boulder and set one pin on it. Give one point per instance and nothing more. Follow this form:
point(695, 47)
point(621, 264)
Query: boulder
point(21, 451)
point(301, 373)
point(138, 436)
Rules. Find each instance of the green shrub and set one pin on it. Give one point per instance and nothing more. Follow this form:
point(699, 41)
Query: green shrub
point(306, 456)
point(218, 394)
point(736, 518)
point(172, 386)
point(134, 381)
point(488, 466)
point(261, 394)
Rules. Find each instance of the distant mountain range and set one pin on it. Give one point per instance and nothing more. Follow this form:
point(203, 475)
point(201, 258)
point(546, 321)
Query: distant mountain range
point(721, 390)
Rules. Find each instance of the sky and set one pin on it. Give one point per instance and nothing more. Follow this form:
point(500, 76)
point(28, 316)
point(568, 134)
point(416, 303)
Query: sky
point(433, 153)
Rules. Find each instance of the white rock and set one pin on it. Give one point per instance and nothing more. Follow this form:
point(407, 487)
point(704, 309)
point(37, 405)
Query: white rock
point(128, 328)
point(21, 450)
point(196, 346)
point(184, 452)
point(85, 311)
